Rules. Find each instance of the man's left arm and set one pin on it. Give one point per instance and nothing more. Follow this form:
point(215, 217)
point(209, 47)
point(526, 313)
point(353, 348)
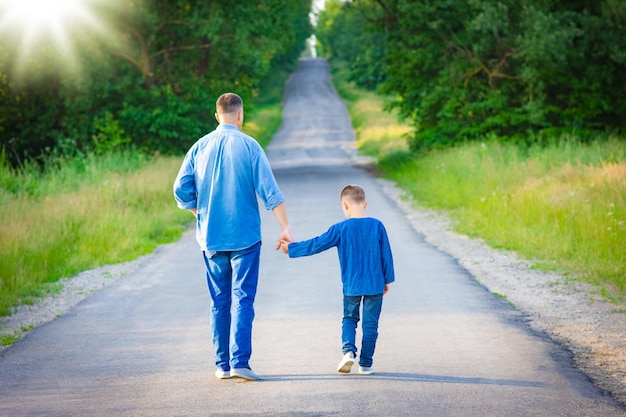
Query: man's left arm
point(267, 188)
point(281, 215)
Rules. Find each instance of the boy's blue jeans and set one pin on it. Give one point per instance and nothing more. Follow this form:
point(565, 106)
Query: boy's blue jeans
point(232, 278)
point(372, 305)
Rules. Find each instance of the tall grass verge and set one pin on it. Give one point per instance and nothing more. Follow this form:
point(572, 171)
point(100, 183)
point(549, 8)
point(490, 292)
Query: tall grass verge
point(562, 204)
point(379, 133)
point(65, 221)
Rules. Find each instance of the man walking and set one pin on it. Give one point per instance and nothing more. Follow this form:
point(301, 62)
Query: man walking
point(219, 180)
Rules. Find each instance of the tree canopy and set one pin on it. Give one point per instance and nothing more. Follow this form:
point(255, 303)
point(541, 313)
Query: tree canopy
point(141, 72)
point(468, 69)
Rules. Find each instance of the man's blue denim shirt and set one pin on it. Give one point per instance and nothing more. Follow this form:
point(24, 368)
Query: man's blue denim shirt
point(221, 176)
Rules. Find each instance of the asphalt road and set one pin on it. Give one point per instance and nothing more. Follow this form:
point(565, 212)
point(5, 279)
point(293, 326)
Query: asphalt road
point(447, 347)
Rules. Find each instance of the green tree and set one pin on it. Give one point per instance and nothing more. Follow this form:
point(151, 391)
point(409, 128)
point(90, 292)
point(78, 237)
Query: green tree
point(466, 69)
point(153, 77)
point(353, 33)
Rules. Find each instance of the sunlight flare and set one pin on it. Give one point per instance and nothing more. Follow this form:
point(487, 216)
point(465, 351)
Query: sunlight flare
point(30, 27)
point(34, 19)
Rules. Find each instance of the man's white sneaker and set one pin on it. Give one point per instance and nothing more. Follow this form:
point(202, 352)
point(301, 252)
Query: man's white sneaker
point(346, 363)
point(222, 374)
point(244, 373)
point(366, 370)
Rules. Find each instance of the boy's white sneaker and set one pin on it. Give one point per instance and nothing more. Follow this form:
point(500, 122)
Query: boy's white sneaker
point(220, 374)
point(346, 363)
point(366, 370)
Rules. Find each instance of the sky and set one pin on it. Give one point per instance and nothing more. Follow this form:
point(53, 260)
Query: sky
point(317, 6)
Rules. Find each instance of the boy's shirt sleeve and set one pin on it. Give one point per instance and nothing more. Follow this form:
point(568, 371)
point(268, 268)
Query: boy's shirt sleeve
point(316, 245)
point(386, 256)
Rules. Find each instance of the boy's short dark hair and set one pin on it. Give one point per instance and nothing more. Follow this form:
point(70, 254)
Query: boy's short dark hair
point(354, 192)
point(229, 103)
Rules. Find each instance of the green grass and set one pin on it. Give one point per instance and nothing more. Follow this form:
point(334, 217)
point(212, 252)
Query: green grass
point(64, 222)
point(562, 205)
point(7, 339)
point(546, 204)
point(379, 133)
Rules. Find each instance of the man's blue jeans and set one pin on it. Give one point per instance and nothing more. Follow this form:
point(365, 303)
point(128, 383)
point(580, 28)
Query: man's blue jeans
point(372, 305)
point(232, 278)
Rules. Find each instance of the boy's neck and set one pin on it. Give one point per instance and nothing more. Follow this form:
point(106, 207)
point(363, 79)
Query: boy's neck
point(357, 213)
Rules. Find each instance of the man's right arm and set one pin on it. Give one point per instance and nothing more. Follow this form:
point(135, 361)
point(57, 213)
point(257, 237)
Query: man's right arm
point(185, 185)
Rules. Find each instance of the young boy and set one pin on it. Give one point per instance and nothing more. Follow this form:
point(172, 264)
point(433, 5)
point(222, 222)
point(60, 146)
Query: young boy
point(366, 272)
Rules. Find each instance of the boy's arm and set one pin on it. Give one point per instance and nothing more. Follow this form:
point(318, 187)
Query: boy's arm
point(387, 258)
point(316, 245)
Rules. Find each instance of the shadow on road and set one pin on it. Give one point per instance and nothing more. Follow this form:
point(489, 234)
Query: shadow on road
point(396, 376)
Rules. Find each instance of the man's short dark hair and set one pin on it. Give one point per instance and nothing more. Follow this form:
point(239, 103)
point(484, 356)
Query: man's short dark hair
point(229, 103)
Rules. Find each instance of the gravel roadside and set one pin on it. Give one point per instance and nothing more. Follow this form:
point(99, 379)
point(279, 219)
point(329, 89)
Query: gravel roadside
point(569, 312)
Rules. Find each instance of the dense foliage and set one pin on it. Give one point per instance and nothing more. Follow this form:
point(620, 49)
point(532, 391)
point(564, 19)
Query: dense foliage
point(468, 69)
point(148, 73)
point(345, 32)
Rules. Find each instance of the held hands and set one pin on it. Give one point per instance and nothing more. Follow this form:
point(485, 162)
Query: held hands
point(284, 245)
point(284, 240)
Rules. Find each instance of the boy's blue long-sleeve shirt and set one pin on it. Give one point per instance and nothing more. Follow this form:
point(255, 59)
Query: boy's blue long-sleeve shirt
point(364, 254)
point(221, 176)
